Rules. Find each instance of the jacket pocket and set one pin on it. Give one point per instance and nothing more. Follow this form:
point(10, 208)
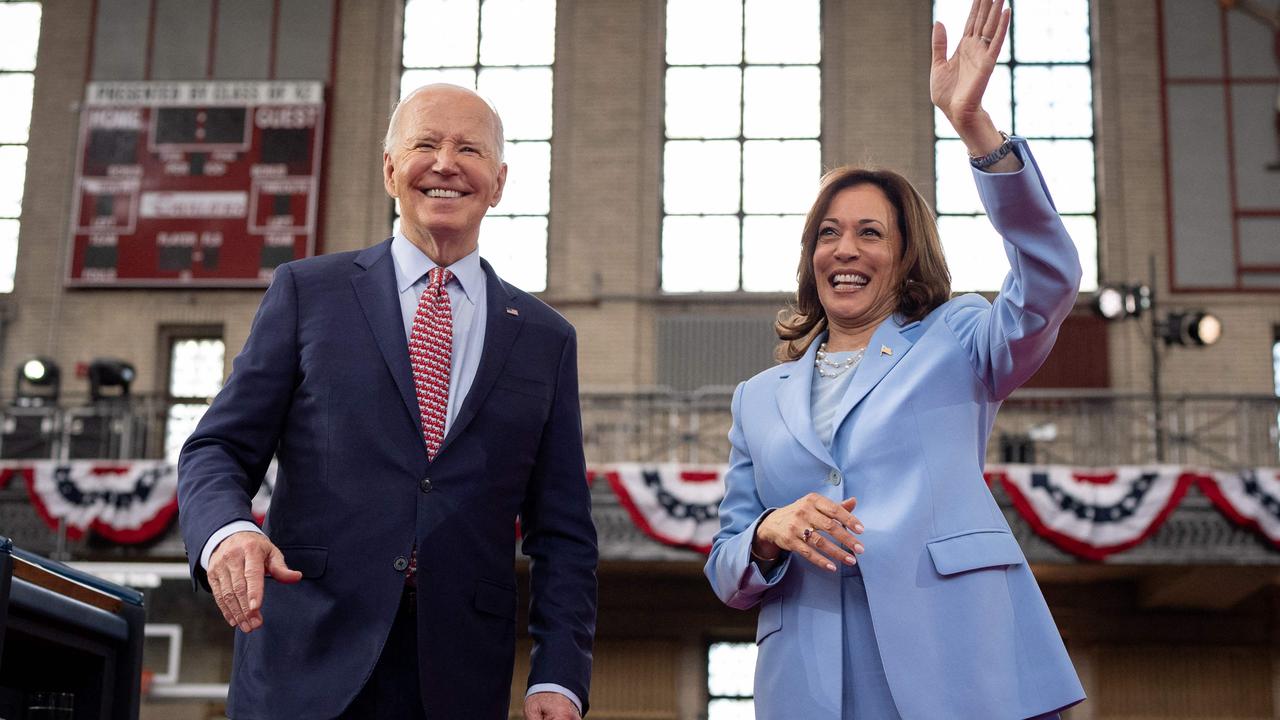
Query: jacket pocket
point(310, 560)
point(496, 599)
point(770, 620)
point(524, 386)
point(974, 549)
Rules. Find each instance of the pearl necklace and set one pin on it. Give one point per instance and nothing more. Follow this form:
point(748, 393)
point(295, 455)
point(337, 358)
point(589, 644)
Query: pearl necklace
point(828, 368)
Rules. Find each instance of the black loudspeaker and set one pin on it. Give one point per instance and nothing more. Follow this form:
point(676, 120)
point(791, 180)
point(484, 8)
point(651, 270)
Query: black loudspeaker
point(28, 434)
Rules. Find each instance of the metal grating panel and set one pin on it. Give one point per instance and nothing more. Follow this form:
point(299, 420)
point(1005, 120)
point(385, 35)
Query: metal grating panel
point(696, 351)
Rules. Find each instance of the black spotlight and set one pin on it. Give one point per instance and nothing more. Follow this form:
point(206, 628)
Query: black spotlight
point(1196, 327)
point(105, 373)
point(1117, 302)
point(37, 383)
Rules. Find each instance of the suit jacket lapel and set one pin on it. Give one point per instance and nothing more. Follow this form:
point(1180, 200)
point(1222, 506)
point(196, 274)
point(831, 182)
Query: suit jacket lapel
point(501, 328)
point(376, 291)
point(795, 405)
point(888, 345)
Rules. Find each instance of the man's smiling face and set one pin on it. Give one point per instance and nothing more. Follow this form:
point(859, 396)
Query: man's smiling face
point(444, 164)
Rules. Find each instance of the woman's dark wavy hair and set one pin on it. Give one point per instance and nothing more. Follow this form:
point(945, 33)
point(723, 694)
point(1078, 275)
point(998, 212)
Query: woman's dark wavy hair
point(923, 280)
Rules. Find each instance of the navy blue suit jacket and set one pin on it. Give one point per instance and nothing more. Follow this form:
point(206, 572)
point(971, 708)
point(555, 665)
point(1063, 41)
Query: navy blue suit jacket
point(324, 383)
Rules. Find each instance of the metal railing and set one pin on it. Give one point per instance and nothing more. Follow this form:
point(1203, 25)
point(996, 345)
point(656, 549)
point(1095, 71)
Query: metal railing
point(1086, 428)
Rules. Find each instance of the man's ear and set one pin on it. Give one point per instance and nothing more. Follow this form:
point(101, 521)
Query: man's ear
point(502, 183)
point(389, 174)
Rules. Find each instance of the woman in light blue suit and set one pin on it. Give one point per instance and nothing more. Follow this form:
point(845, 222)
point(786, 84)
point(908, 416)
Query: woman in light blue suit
point(921, 606)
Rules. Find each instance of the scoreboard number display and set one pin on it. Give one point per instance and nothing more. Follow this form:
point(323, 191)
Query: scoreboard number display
point(194, 184)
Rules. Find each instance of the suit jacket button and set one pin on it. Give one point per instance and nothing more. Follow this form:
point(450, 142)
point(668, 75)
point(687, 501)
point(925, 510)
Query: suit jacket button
point(425, 484)
point(401, 563)
point(833, 477)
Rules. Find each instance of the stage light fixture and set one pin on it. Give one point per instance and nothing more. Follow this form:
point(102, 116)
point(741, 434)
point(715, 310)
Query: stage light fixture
point(1196, 328)
point(1117, 302)
point(37, 383)
point(107, 373)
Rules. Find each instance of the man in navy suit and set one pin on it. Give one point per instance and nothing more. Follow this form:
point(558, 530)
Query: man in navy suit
point(382, 583)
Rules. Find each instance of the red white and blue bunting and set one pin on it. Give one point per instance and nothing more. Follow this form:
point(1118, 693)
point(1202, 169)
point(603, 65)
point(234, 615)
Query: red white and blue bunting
point(124, 502)
point(1089, 512)
point(1094, 512)
point(674, 504)
point(1250, 497)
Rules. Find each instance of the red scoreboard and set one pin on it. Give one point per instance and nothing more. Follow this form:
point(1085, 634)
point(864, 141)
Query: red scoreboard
point(194, 184)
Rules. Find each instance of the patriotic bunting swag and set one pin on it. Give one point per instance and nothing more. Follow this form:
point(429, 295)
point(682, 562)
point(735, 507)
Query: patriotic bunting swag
point(128, 502)
point(1250, 497)
point(674, 504)
point(1089, 512)
point(1094, 513)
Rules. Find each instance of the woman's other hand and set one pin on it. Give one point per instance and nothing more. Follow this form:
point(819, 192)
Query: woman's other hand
point(956, 84)
point(830, 528)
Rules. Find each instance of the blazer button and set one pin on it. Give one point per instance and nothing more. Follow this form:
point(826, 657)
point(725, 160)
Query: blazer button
point(833, 477)
point(425, 484)
point(401, 563)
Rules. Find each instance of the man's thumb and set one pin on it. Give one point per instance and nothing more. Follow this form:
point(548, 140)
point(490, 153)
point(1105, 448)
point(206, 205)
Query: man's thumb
point(279, 570)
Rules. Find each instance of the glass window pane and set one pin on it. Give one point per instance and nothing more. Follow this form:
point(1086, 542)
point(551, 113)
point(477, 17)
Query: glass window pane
point(704, 102)
point(523, 99)
point(783, 32)
point(1053, 100)
point(440, 32)
point(701, 177)
point(782, 102)
point(699, 253)
point(771, 252)
point(15, 98)
point(731, 669)
point(8, 253)
point(411, 80)
point(952, 14)
point(957, 192)
point(181, 422)
point(518, 32)
point(780, 176)
point(528, 188)
point(1068, 171)
point(975, 253)
point(996, 101)
point(517, 249)
point(195, 368)
point(19, 35)
point(13, 175)
point(704, 32)
point(724, 709)
point(1051, 30)
point(1084, 233)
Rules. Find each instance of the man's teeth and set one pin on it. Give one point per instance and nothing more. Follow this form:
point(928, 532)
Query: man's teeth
point(851, 278)
point(442, 193)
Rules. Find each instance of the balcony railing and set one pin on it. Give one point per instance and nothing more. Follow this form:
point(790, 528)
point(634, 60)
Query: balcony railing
point(1085, 428)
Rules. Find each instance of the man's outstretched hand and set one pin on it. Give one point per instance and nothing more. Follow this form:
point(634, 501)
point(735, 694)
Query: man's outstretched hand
point(237, 568)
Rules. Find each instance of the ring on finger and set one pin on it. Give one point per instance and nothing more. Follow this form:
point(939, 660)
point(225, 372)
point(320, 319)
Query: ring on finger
point(804, 536)
point(985, 39)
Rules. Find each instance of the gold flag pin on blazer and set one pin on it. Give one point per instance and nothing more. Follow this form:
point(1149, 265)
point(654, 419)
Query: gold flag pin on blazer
point(886, 350)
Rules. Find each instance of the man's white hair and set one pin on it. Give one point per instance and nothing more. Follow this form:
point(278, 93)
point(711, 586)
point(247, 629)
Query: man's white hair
point(393, 123)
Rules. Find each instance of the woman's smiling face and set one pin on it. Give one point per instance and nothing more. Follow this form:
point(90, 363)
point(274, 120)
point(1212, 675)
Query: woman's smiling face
point(855, 260)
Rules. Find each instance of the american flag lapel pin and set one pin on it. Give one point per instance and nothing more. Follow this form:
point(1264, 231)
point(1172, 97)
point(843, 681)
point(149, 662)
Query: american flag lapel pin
point(513, 311)
point(886, 350)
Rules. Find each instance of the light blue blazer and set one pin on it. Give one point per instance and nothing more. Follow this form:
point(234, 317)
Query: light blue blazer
point(962, 627)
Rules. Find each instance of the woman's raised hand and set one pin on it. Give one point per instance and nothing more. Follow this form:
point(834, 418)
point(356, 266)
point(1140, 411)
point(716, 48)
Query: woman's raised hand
point(956, 84)
point(814, 527)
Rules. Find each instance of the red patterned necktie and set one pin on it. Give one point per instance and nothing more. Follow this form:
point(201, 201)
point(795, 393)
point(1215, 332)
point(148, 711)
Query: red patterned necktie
point(430, 353)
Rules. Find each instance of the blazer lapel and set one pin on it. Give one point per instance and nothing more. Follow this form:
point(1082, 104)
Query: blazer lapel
point(376, 291)
point(794, 403)
point(501, 328)
point(888, 345)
